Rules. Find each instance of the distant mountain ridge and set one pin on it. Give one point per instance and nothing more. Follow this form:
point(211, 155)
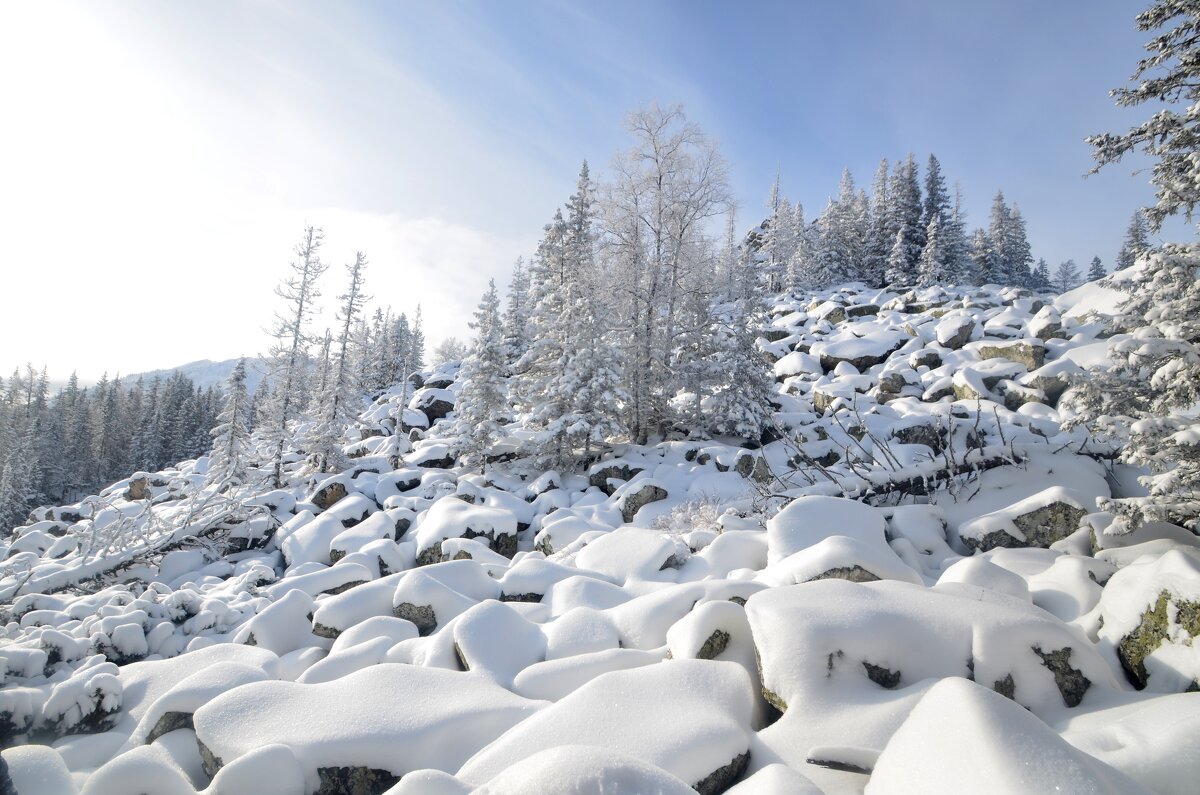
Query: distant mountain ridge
point(205, 372)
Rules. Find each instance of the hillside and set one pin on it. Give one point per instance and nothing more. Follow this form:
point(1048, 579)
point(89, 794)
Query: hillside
point(908, 587)
point(205, 373)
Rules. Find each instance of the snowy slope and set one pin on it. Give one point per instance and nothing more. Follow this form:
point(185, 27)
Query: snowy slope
point(206, 373)
point(909, 588)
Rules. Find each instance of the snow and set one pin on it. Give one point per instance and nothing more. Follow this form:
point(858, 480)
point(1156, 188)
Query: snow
point(985, 743)
point(809, 520)
point(584, 770)
point(387, 717)
point(389, 631)
point(708, 705)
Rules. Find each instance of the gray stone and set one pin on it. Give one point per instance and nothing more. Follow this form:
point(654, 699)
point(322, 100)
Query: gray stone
point(1030, 354)
point(420, 615)
point(854, 573)
point(714, 645)
point(637, 500)
point(884, 677)
point(723, 777)
point(1153, 631)
point(600, 478)
point(354, 781)
point(1072, 684)
point(1041, 528)
point(327, 496)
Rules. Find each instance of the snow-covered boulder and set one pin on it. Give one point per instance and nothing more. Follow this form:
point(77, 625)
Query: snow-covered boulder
point(1149, 614)
point(807, 521)
point(451, 517)
point(963, 738)
point(689, 717)
point(1039, 521)
point(372, 726)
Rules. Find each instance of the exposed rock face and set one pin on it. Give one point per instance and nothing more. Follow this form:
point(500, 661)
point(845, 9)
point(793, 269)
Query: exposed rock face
point(854, 573)
point(1155, 628)
point(420, 615)
point(637, 500)
point(1071, 682)
point(169, 722)
point(1041, 528)
point(714, 645)
point(600, 477)
point(354, 781)
point(326, 497)
point(925, 434)
point(504, 544)
point(1030, 354)
point(723, 777)
point(861, 362)
point(436, 409)
point(954, 338)
point(884, 677)
point(139, 489)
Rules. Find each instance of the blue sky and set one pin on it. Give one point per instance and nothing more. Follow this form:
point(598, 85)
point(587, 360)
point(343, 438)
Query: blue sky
point(167, 154)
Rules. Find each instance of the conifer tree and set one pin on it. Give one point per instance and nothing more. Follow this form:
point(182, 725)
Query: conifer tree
point(231, 436)
point(1137, 241)
point(1040, 277)
point(881, 235)
point(483, 398)
point(937, 200)
point(983, 258)
point(955, 246)
point(740, 403)
point(909, 236)
point(516, 314)
point(1066, 276)
point(1096, 271)
point(299, 293)
point(931, 269)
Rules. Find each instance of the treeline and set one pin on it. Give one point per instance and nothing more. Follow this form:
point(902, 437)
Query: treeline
point(58, 448)
point(910, 232)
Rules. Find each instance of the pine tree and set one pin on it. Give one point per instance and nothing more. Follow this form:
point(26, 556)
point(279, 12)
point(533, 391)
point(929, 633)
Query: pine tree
point(299, 292)
point(483, 398)
point(1066, 276)
point(231, 436)
point(1096, 271)
point(1137, 241)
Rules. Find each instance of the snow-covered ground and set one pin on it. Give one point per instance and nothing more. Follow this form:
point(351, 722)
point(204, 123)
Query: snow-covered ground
point(909, 589)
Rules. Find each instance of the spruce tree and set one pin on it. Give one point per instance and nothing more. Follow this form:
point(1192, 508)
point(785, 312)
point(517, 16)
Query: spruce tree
point(906, 222)
point(931, 269)
point(1137, 241)
point(516, 314)
point(231, 436)
point(483, 399)
point(937, 200)
point(881, 233)
point(1040, 277)
point(1096, 271)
